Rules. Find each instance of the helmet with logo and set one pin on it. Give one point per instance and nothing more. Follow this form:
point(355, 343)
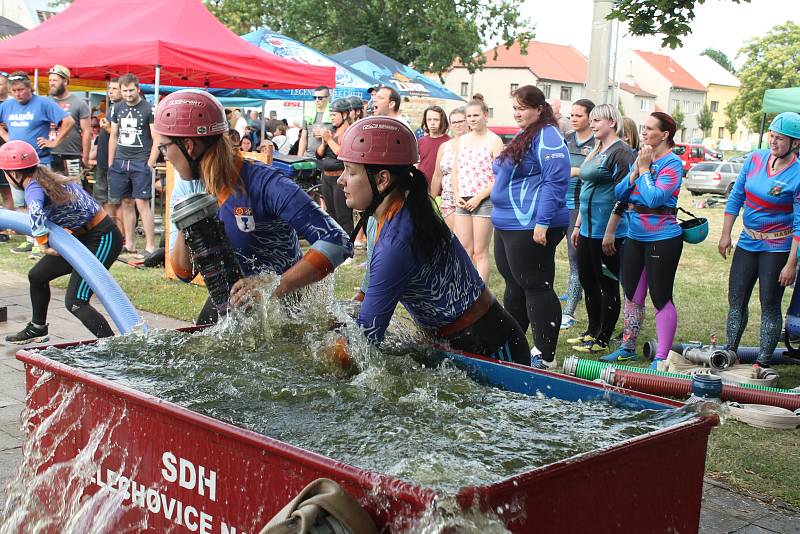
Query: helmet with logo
point(190, 113)
point(379, 141)
point(786, 123)
point(341, 105)
point(18, 155)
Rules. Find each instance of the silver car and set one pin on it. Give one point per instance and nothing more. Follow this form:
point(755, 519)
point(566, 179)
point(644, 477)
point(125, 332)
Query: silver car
point(712, 177)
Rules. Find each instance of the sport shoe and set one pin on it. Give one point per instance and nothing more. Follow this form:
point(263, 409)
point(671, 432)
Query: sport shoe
point(24, 248)
point(537, 362)
point(583, 338)
point(567, 322)
point(620, 356)
point(29, 334)
point(591, 347)
point(657, 364)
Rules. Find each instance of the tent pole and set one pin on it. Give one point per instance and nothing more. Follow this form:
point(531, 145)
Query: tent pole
point(36, 81)
point(263, 119)
point(153, 171)
point(761, 130)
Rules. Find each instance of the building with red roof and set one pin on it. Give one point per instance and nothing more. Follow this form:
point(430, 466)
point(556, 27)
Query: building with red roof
point(560, 71)
point(674, 87)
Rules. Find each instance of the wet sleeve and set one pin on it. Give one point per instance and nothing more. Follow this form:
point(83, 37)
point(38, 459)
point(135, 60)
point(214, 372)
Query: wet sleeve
point(369, 233)
point(554, 162)
point(389, 271)
point(736, 197)
point(656, 191)
point(285, 198)
point(180, 190)
point(34, 199)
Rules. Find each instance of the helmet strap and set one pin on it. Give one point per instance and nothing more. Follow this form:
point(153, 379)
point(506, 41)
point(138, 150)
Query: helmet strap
point(14, 180)
point(194, 163)
point(377, 199)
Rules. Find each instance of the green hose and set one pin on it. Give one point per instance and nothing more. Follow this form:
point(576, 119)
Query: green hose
point(591, 369)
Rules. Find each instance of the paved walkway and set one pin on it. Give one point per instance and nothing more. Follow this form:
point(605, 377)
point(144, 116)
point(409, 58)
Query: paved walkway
point(724, 510)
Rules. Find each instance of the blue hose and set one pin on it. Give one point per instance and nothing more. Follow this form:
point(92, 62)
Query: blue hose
point(87, 265)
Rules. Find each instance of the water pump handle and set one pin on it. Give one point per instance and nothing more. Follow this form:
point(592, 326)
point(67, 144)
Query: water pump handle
point(192, 208)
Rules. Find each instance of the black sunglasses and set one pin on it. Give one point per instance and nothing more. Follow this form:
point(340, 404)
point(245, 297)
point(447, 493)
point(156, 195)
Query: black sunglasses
point(316, 97)
point(17, 78)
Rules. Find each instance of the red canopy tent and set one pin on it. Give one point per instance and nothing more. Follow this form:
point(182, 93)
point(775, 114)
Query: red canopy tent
point(172, 42)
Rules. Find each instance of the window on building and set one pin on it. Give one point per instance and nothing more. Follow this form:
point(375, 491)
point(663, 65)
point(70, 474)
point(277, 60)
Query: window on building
point(720, 132)
point(644, 105)
point(464, 89)
point(566, 93)
point(491, 112)
point(714, 106)
point(514, 87)
point(545, 87)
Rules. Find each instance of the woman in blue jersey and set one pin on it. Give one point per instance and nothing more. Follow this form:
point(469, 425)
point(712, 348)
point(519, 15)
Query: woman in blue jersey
point(580, 141)
point(655, 239)
point(59, 200)
point(603, 168)
point(263, 211)
point(416, 260)
point(530, 217)
point(767, 187)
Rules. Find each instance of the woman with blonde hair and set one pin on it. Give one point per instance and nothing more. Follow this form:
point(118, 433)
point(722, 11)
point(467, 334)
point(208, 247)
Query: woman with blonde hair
point(472, 180)
point(61, 201)
point(264, 212)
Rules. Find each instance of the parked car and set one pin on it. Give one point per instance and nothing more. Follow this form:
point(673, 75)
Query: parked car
point(712, 177)
point(713, 155)
point(739, 159)
point(506, 133)
point(689, 154)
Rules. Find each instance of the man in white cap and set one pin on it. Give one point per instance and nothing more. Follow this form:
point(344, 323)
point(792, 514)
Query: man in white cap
point(75, 147)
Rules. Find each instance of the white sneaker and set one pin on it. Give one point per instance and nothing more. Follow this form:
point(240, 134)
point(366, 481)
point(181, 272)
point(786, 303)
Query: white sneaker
point(567, 322)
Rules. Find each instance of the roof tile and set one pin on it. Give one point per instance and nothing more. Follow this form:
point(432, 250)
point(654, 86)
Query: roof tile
point(547, 61)
point(672, 71)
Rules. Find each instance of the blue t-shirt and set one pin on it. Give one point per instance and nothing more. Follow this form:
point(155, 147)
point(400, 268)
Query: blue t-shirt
point(264, 221)
point(435, 293)
point(658, 188)
point(770, 203)
point(577, 154)
point(30, 121)
point(70, 215)
point(599, 175)
point(532, 192)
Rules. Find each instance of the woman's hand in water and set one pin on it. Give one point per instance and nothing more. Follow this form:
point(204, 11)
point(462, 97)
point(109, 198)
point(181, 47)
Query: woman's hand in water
point(250, 290)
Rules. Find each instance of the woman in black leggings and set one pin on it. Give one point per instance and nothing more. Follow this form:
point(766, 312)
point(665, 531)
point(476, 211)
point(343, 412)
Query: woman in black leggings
point(61, 201)
point(530, 217)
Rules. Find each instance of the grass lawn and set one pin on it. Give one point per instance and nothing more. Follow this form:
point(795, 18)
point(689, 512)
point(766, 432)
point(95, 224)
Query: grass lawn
point(763, 462)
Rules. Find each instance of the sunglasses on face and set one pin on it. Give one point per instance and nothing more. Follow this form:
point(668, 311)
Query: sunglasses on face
point(317, 97)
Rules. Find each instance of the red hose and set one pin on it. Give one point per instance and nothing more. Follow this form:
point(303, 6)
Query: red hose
point(675, 387)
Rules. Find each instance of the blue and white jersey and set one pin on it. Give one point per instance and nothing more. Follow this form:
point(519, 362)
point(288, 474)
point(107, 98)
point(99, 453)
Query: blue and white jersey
point(577, 154)
point(435, 293)
point(70, 215)
point(263, 221)
point(770, 203)
point(533, 192)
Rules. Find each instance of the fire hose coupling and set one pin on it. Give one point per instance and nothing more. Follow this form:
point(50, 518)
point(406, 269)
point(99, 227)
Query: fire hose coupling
point(211, 251)
point(706, 386)
point(719, 359)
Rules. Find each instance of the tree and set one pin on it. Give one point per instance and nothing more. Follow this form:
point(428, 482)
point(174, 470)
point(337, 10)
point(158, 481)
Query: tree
point(429, 34)
point(679, 118)
point(670, 18)
point(732, 122)
point(720, 57)
point(705, 120)
point(772, 62)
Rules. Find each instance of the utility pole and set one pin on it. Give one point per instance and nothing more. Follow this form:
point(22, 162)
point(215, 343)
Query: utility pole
point(600, 53)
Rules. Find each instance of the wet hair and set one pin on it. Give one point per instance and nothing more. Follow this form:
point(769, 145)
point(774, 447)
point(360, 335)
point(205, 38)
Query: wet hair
point(585, 103)
point(430, 232)
point(666, 124)
point(128, 79)
point(442, 118)
point(532, 97)
point(630, 131)
point(477, 100)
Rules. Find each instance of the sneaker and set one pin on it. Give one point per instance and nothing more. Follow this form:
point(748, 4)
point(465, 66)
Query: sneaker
point(567, 322)
point(29, 334)
point(23, 248)
point(591, 347)
point(537, 362)
point(583, 338)
point(620, 356)
point(657, 364)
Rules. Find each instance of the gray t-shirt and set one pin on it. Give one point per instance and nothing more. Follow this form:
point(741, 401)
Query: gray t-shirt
point(77, 108)
point(135, 140)
point(313, 142)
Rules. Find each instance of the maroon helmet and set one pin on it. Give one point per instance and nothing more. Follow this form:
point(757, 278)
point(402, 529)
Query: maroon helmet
point(190, 113)
point(379, 141)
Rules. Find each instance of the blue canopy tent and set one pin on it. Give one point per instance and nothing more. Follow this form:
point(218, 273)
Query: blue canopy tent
point(387, 71)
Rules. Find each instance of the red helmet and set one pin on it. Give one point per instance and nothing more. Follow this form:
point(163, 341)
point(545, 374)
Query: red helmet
point(190, 113)
point(17, 155)
point(379, 141)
